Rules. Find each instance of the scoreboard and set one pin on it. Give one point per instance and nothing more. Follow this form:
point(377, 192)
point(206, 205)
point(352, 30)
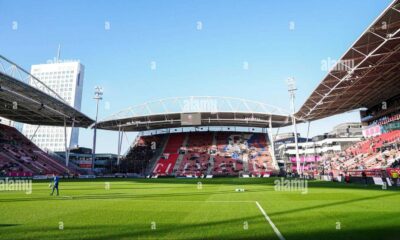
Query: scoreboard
point(190, 119)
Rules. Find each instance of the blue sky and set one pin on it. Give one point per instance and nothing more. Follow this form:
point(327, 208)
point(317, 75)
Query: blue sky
point(189, 61)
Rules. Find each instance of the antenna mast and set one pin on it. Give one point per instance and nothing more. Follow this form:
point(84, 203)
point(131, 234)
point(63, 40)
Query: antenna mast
point(58, 53)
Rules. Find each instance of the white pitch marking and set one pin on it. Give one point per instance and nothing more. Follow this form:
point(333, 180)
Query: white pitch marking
point(70, 197)
point(270, 222)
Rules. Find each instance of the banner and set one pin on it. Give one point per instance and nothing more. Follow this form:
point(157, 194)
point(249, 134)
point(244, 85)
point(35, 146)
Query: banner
point(307, 159)
point(372, 131)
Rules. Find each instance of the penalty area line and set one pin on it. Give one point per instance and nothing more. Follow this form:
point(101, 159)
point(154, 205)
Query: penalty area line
point(270, 222)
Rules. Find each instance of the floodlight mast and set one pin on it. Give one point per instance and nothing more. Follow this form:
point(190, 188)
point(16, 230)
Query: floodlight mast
point(98, 95)
point(292, 94)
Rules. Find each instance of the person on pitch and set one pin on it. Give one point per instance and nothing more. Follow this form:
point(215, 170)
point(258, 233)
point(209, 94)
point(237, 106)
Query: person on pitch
point(55, 184)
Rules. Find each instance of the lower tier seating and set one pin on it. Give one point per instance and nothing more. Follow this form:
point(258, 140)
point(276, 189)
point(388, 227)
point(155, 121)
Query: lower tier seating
point(20, 157)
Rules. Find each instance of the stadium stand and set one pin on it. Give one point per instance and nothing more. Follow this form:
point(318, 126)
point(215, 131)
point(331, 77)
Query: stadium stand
point(139, 156)
point(229, 153)
point(377, 152)
point(260, 161)
point(195, 161)
point(201, 153)
point(308, 163)
point(20, 157)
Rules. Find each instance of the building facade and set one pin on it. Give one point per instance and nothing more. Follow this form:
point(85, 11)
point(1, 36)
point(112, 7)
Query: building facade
point(351, 129)
point(105, 163)
point(66, 79)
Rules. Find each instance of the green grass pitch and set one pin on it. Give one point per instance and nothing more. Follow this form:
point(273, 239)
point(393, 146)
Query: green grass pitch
point(180, 209)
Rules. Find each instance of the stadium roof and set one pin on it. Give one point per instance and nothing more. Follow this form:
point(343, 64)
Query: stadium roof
point(33, 104)
point(367, 74)
point(214, 111)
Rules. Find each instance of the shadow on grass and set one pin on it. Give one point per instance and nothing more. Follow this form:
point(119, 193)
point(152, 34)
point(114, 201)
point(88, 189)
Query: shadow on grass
point(205, 230)
point(333, 204)
point(162, 231)
point(8, 225)
point(376, 233)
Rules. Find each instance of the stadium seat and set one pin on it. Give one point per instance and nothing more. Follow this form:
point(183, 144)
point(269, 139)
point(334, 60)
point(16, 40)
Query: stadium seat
point(20, 157)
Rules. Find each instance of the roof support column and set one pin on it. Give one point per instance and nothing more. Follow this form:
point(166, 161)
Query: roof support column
point(306, 145)
point(34, 134)
point(271, 140)
point(66, 143)
point(70, 139)
point(120, 135)
point(296, 144)
point(292, 92)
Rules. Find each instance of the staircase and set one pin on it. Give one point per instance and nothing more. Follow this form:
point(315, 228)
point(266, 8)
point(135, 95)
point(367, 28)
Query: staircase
point(157, 154)
point(180, 158)
point(271, 148)
point(245, 163)
point(211, 167)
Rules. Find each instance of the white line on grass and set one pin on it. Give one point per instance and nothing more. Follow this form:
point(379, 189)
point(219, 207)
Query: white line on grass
point(270, 222)
point(69, 197)
point(216, 201)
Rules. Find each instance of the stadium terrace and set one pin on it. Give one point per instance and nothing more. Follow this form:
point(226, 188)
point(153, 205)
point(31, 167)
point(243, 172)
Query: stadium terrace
point(206, 167)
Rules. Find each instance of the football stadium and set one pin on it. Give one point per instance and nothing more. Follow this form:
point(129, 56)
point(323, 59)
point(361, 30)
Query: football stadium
point(209, 167)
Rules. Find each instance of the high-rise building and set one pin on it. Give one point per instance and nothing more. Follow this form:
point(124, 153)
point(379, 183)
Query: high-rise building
point(66, 79)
